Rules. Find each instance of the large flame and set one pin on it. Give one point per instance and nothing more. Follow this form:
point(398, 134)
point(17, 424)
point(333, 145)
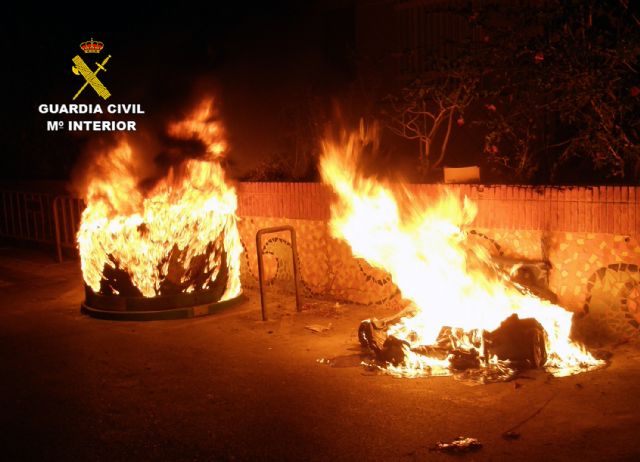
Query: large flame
point(443, 273)
point(188, 214)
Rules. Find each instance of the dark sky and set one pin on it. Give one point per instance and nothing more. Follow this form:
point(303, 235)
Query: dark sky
point(253, 58)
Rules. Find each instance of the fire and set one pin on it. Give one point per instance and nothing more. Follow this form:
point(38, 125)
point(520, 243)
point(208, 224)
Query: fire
point(449, 280)
point(175, 237)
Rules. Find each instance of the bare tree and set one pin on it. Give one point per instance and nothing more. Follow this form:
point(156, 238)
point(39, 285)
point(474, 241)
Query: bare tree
point(426, 109)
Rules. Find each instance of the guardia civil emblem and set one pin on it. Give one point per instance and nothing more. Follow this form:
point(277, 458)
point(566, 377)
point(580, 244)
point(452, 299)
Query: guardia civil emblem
point(80, 67)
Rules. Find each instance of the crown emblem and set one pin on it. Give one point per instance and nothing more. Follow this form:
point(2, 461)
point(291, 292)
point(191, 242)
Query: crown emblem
point(91, 46)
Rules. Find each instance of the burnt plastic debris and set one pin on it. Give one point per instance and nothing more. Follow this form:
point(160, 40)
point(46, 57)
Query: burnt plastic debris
point(462, 359)
point(517, 344)
point(372, 334)
point(520, 341)
point(459, 445)
point(490, 373)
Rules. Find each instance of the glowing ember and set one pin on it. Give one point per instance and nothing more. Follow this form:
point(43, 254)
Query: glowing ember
point(450, 280)
point(178, 236)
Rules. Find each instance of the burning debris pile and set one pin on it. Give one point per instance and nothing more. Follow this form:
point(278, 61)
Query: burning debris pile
point(517, 344)
point(466, 314)
point(178, 236)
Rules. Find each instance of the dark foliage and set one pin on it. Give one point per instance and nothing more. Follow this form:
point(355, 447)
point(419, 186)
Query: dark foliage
point(548, 86)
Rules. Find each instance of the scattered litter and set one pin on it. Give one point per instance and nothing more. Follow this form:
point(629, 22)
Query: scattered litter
point(309, 305)
point(354, 360)
point(511, 435)
point(318, 327)
point(459, 445)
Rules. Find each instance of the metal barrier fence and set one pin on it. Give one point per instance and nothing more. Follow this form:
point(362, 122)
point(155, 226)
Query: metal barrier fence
point(40, 217)
point(66, 216)
point(26, 216)
point(53, 219)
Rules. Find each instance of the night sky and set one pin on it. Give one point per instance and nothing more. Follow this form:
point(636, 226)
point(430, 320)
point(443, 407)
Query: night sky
point(256, 60)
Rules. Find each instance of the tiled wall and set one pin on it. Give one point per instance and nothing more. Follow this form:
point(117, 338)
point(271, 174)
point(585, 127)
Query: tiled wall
point(589, 235)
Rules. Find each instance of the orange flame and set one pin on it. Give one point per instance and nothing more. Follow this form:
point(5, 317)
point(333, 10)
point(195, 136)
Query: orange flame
point(187, 212)
point(430, 258)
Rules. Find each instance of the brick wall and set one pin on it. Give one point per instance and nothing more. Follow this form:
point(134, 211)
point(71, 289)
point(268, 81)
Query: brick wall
point(597, 209)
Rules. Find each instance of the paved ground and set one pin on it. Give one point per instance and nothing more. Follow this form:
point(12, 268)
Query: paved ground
point(230, 387)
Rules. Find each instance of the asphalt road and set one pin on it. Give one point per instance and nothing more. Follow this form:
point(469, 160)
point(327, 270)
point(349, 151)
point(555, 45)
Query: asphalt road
point(231, 387)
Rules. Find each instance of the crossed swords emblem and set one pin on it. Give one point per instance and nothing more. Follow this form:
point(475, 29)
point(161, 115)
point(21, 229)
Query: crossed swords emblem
point(90, 77)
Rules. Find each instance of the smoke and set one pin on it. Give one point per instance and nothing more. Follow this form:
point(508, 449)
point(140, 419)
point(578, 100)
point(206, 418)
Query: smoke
point(155, 151)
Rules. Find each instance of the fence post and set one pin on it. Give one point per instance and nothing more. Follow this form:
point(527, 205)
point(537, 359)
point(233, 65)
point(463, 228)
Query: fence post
point(56, 225)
